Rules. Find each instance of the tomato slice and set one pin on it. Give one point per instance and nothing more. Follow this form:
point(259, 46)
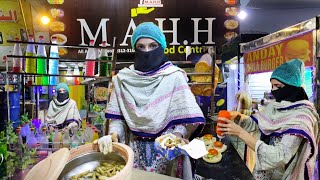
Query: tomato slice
point(218, 144)
point(213, 152)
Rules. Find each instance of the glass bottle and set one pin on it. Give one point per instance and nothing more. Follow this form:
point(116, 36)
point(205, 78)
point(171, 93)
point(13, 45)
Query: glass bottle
point(91, 55)
point(105, 67)
point(17, 62)
point(31, 63)
point(41, 63)
point(54, 63)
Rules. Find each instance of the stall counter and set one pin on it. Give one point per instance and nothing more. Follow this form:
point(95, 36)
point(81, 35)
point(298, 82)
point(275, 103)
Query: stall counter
point(144, 175)
point(230, 167)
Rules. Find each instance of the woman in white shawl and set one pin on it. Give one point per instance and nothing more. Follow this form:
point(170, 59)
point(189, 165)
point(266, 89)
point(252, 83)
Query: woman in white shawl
point(63, 112)
point(288, 129)
point(149, 99)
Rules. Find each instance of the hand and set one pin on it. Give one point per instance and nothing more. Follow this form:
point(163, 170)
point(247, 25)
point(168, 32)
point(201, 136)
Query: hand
point(229, 127)
point(114, 137)
point(105, 144)
point(179, 137)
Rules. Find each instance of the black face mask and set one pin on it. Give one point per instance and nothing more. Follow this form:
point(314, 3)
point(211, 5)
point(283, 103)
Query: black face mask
point(147, 61)
point(289, 93)
point(62, 96)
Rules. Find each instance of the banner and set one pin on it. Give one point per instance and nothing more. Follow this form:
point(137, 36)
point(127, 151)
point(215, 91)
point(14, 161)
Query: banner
point(268, 58)
point(184, 22)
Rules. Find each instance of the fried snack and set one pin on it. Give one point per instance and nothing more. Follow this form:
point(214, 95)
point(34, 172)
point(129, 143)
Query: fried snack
point(63, 51)
point(103, 171)
point(231, 24)
point(57, 26)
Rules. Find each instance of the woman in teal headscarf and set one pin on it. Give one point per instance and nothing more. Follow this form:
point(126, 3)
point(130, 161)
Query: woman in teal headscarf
point(63, 112)
point(152, 98)
point(288, 128)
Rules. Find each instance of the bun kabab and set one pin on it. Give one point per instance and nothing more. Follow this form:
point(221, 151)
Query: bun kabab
point(171, 142)
point(208, 139)
point(213, 156)
point(219, 146)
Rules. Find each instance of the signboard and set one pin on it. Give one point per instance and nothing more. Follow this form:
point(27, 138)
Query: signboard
point(184, 22)
point(269, 57)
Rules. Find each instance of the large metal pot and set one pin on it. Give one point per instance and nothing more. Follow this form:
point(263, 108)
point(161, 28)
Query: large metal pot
point(64, 163)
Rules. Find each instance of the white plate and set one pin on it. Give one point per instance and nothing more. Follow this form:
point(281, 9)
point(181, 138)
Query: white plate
point(61, 38)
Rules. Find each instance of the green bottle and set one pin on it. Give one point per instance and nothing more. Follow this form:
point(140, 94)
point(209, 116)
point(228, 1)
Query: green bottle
point(105, 68)
point(41, 64)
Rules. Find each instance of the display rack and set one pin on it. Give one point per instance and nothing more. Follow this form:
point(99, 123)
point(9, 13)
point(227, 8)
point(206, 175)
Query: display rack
point(22, 75)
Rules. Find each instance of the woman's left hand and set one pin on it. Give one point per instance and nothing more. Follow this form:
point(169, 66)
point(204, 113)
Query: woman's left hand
point(229, 127)
point(179, 136)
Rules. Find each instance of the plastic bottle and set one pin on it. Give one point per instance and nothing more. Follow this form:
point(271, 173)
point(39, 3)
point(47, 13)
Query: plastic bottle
point(17, 62)
point(31, 140)
point(75, 141)
point(91, 55)
point(54, 63)
point(84, 123)
point(95, 135)
point(66, 139)
point(57, 138)
point(76, 72)
point(41, 63)
point(223, 114)
point(30, 62)
point(18, 131)
point(44, 142)
point(105, 67)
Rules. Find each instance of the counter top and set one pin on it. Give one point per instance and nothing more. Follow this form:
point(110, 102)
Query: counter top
point(230, 167)
point(144, 175)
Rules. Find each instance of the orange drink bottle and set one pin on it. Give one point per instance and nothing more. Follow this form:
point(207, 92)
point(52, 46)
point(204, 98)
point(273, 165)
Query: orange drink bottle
point(223, 114)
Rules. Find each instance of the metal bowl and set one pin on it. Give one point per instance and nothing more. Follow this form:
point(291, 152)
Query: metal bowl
point(88, 161)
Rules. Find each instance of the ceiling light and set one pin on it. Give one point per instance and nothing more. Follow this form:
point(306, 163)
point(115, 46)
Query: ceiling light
point(45, 20)
point(242, 15)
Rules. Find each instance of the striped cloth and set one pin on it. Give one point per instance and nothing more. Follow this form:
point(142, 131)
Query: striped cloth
point(299, 118)
point(153, 101)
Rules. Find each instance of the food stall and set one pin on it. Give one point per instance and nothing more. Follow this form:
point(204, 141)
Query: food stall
point(65, 50)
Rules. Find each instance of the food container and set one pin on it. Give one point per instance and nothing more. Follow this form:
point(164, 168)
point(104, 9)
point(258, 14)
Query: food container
point(64, 163)
point(169, 154)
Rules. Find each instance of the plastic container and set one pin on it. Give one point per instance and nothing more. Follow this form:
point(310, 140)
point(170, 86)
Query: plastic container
point(41, 64)
point(53, 63)
point(91, 55)
point(31, 140)
point(17, 62)
point(223, 114)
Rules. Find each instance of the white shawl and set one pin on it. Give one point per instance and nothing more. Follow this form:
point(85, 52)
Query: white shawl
point(154, 101)
point(61, 114)
point(298, 118)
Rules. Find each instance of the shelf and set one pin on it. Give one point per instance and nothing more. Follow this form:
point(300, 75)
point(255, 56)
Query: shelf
point(93, 81)
point(59, 59)
point(199, 83)
point(59, 45)
point(60, 75)
point(199, 74)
